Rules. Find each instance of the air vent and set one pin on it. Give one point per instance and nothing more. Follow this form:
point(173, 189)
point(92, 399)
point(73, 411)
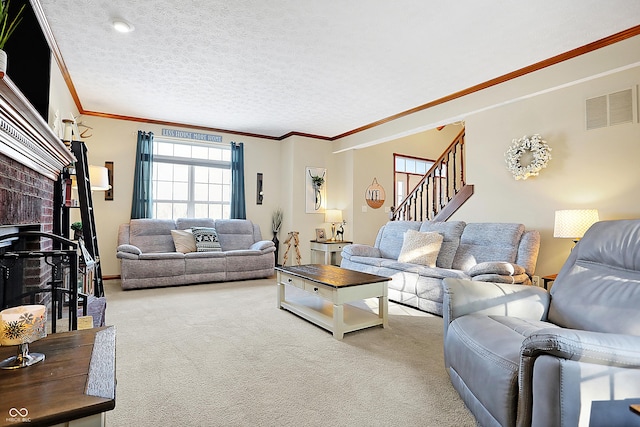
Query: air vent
point(612, 109)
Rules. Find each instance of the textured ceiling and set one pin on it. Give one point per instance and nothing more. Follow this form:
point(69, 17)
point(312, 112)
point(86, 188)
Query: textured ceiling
point(310, 66)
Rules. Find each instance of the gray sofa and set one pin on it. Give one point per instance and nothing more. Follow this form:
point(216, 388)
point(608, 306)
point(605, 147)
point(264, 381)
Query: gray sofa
point(502, 252)
point(521, 356)
point(149, 257)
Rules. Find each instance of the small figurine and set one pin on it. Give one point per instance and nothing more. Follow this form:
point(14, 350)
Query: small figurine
point(340, 233)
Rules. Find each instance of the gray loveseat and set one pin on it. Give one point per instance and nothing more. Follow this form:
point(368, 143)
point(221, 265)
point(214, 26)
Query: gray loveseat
point(521, 356)
point(501, 252)
point(149, 257)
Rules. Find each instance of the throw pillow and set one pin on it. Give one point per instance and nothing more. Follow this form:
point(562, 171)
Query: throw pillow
point(420, 248)
point(184, 241)
point(206, 239)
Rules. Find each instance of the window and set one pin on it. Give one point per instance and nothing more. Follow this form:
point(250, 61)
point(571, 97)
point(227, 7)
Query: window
point(191, 180)
point(408, 171)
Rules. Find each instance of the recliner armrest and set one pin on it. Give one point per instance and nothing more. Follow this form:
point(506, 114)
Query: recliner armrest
point(586, 346)
point(264, 246)
point(596, 348)
point(463, 297)
point(129, 249)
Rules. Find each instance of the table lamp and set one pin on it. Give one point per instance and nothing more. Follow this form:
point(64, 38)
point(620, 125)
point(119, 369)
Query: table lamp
point(21, 326)
point(333, 216)
point(572, 224)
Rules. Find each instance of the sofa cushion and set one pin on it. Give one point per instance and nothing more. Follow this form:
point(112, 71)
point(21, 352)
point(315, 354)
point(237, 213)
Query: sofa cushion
point(391, 236)
point(482, 242)
point(600, 278)
point(184, 241)
point(184, 223)
point(206, 239)
point(420, 248)
point(451, 232)
point(152, 235)
point(235, 234)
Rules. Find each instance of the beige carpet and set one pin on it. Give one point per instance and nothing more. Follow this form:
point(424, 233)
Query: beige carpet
point(223, 355)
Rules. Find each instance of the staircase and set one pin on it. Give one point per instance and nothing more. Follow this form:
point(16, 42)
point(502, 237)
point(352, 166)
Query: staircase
point(441, 191)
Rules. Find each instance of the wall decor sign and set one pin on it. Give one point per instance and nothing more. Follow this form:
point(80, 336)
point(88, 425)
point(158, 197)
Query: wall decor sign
point(315, 189)
point(375, 195)
point(196, 136)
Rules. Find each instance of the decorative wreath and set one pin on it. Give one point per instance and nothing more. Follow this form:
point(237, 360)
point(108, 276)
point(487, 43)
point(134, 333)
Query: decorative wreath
point(540, 153)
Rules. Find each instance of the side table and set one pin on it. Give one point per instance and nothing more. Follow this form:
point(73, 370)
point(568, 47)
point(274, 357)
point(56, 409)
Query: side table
point(73, 386)
point(327, 252)
point(547, 279)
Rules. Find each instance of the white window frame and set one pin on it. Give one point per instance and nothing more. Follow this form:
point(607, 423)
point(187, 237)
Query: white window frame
point(192, 163)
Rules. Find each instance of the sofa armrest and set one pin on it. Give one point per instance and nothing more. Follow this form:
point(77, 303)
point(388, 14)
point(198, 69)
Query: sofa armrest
point(496, 267)
point(356, 249)
point(264, 246)
point(499, 272)
point(128, 252)
point(463, 297)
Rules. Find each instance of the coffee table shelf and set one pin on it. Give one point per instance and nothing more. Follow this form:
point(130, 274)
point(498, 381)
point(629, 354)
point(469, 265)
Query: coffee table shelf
point(328, 290)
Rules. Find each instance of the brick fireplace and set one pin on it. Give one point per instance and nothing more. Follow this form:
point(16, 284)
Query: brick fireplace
point(32, 157)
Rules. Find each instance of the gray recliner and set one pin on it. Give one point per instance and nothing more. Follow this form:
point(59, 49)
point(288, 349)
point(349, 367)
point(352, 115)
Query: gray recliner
point(518, 355)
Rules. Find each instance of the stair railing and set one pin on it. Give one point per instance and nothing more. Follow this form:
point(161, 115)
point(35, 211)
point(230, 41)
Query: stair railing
point(441, 191)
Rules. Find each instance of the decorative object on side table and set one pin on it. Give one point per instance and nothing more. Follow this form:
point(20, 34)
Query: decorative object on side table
point(321, 235)
point(6, 29)
point(333, 216)
point(276, 223)
point(527, 156)
point(20, 326)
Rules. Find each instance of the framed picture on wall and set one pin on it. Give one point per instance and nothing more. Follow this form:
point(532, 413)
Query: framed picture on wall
point(321, 235)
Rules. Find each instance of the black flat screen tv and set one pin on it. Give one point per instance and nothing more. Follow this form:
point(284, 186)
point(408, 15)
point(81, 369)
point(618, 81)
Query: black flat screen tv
point(29, 59)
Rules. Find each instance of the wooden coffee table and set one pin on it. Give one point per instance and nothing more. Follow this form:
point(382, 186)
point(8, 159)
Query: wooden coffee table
point(328, 289)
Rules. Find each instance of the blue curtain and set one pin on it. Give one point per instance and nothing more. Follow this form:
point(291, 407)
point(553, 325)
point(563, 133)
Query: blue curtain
point(238, 208)
point(142, 200)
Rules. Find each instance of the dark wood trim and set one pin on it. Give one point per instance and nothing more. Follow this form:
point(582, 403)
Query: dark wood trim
point(590, 47)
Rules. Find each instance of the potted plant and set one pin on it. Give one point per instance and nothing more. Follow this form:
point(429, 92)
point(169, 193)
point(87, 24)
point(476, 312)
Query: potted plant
point(77, 230)
point(7, 27)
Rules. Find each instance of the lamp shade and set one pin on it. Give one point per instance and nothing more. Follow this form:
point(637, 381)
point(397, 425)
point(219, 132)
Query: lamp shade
point(99, 177)
point(333, 216)
point(23, 324)
point(572, 224)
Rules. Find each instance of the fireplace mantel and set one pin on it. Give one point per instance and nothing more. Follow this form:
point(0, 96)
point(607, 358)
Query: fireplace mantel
point(26, 137)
